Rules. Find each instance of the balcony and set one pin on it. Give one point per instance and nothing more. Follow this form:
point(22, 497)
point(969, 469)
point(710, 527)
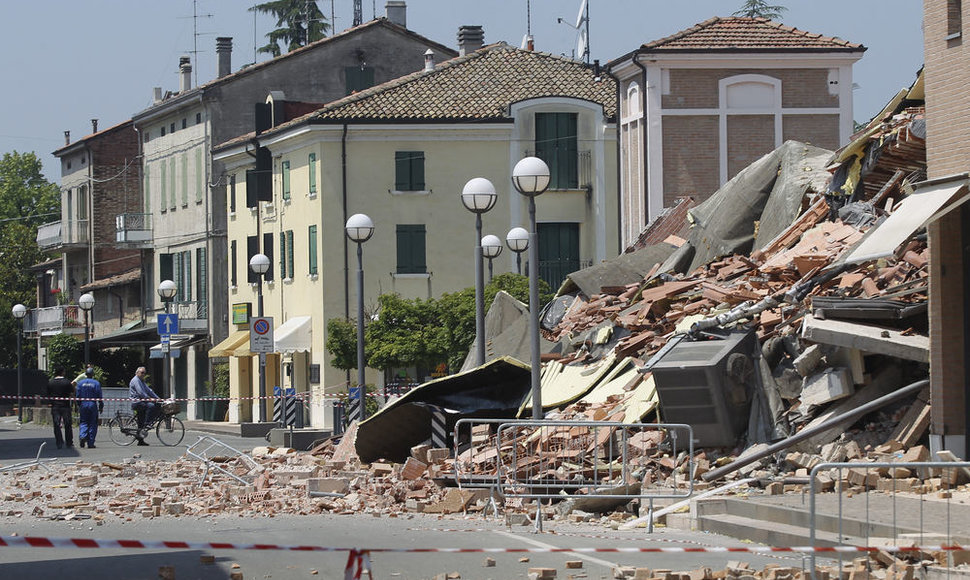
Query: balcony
point(193, 316)
point(583, 172)
point(54, 320)
point(134, 229)
point(63, 234)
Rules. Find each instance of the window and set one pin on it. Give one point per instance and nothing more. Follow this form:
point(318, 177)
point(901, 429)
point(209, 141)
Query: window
point(184, 162)
point(954, 18)
point(286, 254)
point(184, 124)
point(171, 183)
point(411, 249)
point(162, 190)
point(233, 256)
point(285, 170)
point(171, 128)
point(312, 248)
point(357, 78)
point(148, 190)
point(199, 175)
point(284, 273)
point(202, 276)
point(198, 118)
point(409, 170)
point(163, 130)
point(182, 266)
point(268, 250)
point(165, 267)
point(252, 248)
point(147, 136)
point(232, 194)
point(312, 172)
point(557, 145)
point(558, 251)
point(82, 203)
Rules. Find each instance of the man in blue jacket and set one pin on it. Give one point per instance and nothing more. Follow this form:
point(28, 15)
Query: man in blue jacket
point(91, 403)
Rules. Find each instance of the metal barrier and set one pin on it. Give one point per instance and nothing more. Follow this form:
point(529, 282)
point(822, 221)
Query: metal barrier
point(608, 460)
point(900, 506)
point(473, 445)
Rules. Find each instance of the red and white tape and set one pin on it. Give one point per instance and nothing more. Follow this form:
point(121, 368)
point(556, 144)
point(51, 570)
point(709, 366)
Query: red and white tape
point(87, 543)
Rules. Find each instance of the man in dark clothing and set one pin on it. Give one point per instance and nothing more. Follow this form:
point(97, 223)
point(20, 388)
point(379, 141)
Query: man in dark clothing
point(90, 404)
point(60, 392)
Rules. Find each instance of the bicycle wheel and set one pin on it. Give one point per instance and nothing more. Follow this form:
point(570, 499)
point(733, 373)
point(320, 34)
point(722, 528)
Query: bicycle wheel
point(170, 430)
point(122, 429)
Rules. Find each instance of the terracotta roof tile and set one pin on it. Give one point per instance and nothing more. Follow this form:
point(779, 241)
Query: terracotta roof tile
point(736, 33)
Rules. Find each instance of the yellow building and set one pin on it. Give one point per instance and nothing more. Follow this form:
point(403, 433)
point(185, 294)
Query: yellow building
point(401, 152)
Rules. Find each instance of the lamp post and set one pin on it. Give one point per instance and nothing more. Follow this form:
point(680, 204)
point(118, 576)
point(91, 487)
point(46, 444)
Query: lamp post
point(479, 196)
point(259, 264)
point(86, 302)
point(530, 176)
point(166, 291)
point(19, 311)
point(491, 248)
point(359, 229)
point(518, 241)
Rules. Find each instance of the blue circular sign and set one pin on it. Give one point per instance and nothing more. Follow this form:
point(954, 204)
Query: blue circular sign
point(261, 326)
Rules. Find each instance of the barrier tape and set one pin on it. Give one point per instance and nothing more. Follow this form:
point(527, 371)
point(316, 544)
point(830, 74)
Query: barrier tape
point(301, 395)
point(87, 543)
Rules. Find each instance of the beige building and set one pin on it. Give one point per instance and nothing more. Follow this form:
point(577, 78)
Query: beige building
point(698, 106)
point(401, 152)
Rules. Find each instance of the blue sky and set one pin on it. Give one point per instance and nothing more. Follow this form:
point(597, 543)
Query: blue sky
point(68, 61)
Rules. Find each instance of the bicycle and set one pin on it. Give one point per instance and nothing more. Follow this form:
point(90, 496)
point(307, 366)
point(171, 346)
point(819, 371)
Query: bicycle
point(123, 428)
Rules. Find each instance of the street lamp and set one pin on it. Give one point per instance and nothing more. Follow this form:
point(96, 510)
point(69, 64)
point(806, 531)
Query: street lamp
point(19, 311)
point(491, 248)
point(518, 241)
point(359, 229)
point(166, 291)
point(259, 264)
point(479, 196)
point(530, 176)
point(86, 302)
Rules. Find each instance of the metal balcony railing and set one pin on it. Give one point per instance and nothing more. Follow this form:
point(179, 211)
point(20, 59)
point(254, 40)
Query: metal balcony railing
point(193, 315)
point(584, 170)
point(133, 227)
point(60, 233)
point(49, 235)
point(54, 320)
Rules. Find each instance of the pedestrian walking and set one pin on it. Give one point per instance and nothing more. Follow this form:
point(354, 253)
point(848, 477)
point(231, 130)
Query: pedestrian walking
point(60, 393)
point(90, 403)
point(142, 402)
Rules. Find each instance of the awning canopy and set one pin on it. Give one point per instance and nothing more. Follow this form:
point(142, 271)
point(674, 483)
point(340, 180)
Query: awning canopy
point(228, 347)
point(176, 343)
point(914, 212)
point(294, 335)
point(131, 334)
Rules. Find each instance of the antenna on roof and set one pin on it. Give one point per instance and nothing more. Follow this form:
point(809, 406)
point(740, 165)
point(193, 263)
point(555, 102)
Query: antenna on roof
point(358, 13)
point(195, 35)
point(582, 32)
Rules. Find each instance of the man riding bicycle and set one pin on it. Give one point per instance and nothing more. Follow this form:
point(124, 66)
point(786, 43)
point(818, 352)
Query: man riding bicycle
point(143, 403)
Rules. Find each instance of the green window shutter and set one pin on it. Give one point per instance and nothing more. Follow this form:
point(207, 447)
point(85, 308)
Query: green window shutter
point(165, 267)
point(233, 256)
point(283, 273)
point(252, 248)
point(358, 78)
point(268, 250)
point(411, 249)
point(187, 276)
point(199, 176)
point(417, 170)
point(312, 171)
point(171, 183)
point(557, 144)
point(409, 170)
point(202, 275)
point(162, 190)
point(232, 194)
point(177, 271)
point(289, 253)
point(148, 190)
point(312, 247)
point(285, 170)
point(184, 162)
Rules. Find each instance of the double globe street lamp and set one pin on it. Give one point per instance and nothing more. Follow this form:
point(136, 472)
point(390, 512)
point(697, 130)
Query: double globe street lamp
point(259, 264)
point(359, 229)
point(479, 196)
point(530, 176)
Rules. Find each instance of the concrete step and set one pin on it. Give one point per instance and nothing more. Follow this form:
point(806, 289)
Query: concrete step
point(768, 533)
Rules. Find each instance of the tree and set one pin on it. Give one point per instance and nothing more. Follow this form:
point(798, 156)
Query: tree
point(292, 19)
point(26, 201)
point(342, 343)
point(404, 333)
point(760, 9)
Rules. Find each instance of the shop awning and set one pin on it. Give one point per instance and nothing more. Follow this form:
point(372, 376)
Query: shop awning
point(228, 347)
point(294, 335)
point(914, 212)
point(131, 334)
point(176, 343)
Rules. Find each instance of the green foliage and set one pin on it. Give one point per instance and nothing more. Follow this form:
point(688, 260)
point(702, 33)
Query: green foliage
point(26, 201)
point(342, 343)
point(63, 350)
point(219, 386)
point(760, 9)
point(119, 364)
point(416, 332)
point(371, 404)
point(291, 21)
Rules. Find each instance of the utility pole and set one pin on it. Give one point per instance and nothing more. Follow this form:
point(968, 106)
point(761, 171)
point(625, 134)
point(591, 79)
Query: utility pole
point(358, 13)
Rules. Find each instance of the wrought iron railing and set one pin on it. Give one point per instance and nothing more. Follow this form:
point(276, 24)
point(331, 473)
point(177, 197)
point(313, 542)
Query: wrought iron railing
point(133, 227)
point(584, 170)
point(53, 320)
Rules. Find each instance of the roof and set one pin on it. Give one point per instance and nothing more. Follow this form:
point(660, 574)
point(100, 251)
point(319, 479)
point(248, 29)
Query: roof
point(477, 87)
point(744, 34)
point(92, 136)
point(382, 22)
point(128, 277)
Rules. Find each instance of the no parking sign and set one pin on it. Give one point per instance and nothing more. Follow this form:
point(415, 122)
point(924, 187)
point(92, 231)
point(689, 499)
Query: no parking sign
point(261, 334)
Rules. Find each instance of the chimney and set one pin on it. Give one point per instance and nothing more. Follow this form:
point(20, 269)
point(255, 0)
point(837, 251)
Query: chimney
point(428, 60)
point(224, 55)
point(67, 138)
point(470, 39)
point(94, 125)
point(185, 74)
point(397, 12)
point(156, 94)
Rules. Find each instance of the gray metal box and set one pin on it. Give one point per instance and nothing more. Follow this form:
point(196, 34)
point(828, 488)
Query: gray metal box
point(708, 385)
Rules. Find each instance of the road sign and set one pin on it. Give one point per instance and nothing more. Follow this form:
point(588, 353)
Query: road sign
point(168, 324)
point(261, 335)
